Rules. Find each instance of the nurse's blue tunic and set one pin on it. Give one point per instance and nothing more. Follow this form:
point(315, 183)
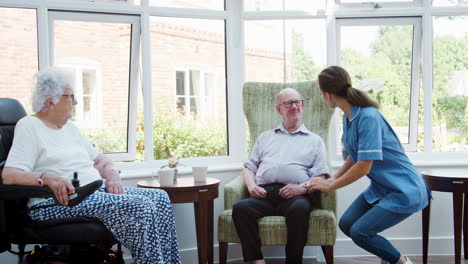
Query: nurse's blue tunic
point(395, 183)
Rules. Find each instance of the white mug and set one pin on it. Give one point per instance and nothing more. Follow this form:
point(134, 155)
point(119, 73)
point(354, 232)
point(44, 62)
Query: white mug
point(165, 176)
point(199, 173)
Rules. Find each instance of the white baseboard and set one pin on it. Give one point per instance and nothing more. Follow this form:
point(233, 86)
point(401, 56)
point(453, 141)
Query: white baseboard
point(343, 248)
point(407, 246)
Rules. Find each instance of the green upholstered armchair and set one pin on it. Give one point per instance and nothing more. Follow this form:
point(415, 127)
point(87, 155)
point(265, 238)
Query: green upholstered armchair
point(259, 107)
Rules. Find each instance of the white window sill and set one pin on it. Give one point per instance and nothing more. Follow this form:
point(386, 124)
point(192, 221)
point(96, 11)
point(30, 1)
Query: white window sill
point(430, 160)
point(141, 170)
point(147, 170)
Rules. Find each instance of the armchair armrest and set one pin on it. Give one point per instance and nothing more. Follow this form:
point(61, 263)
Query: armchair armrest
point(234, 191)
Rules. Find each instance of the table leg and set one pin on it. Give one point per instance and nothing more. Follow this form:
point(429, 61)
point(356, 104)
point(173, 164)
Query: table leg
point(457, 223)
point(465, 226)
point(200, 226)
point(204, 226)
point(210, 231)
point(426, 214)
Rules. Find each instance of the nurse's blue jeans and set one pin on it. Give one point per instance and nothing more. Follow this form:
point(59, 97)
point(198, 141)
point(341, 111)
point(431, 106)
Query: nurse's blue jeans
point(363, 221)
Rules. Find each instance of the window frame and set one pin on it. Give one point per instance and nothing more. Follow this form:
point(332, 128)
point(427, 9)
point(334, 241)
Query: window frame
point(368, 4)
point(134, 21)
point(415, 64)
point(234, 16)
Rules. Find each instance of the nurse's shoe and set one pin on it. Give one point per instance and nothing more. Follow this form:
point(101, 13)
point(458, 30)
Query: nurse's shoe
point(408, 261)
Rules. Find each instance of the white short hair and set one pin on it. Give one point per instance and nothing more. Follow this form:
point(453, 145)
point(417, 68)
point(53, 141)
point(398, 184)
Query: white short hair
point(50, 83)
point(286, 90)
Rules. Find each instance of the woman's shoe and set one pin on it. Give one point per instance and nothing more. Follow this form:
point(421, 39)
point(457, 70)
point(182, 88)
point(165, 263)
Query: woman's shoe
point(408, 261)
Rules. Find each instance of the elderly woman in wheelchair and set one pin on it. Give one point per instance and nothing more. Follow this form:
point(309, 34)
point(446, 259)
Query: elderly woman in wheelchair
point(48, 149)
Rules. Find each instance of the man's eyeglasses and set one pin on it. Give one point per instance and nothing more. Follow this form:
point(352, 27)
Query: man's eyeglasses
point(288, 104)
point(72, 96)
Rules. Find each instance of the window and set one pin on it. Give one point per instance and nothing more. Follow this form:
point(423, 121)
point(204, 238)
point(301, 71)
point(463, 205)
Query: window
point(450, 86)
point(450, 2)
point(272, 5)
point(18, 45)
point(189, 87)
point(378, 4)
point(378, 1)
point(100, 50)
point(195, 56)
point(193, 90)
point(382, 56)
point(137, 2)
point(88, 90)
point(284, 50)
point(199, 4)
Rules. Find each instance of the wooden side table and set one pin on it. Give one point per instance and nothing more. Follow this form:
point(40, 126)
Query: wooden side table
point(456, 183)
point(202, 195)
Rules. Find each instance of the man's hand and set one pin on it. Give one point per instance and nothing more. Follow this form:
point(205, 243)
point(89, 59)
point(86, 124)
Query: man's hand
point(257, 192)
point(114, 186)
point(61, 186)
point(292, 190)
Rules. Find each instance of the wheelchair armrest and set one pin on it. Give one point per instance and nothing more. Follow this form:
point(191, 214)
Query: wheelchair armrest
point(18, 192)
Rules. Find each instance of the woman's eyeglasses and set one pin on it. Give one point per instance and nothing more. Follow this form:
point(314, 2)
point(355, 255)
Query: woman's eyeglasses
point(72, 96)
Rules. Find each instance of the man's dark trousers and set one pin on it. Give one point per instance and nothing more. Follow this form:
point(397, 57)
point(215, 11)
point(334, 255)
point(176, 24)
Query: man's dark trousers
point(247, 212)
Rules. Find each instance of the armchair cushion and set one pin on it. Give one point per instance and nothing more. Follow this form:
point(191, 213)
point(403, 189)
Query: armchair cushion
point(322, 229)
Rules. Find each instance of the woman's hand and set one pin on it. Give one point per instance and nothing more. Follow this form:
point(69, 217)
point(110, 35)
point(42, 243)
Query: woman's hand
point(257, 192)
point(109, 173)
point(114, 186)
point(61, 186)
point(291, 190)
point(320, 184)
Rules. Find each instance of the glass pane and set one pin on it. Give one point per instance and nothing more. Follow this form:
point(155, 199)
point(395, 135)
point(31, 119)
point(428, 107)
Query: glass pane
point(198, 4)
point(107, 57)
point(270, 5)
point(450, 91)
point(378, 1)
point(450, 2)
point(194, 105)
point(135, 2)
point(89, 81)
point(180, 83)
point(86, 104)
point(181, 104)
point(284, 51)
point(209, 85)
point(18, 45)
point(378, 59)
point(198, 46)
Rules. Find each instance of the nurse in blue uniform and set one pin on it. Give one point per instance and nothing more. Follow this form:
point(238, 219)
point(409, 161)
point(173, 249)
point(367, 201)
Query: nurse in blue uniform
point(396, 190)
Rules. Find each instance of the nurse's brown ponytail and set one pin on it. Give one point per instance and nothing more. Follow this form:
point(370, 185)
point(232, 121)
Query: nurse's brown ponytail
point(336, 80)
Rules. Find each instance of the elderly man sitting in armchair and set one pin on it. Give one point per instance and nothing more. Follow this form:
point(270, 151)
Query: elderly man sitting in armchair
point(281, 164)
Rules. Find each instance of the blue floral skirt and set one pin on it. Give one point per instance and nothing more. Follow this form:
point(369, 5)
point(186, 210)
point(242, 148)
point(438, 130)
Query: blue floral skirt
point(142, 220)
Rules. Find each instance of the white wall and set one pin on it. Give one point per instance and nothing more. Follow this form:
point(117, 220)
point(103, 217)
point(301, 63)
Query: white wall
point(406, 236)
